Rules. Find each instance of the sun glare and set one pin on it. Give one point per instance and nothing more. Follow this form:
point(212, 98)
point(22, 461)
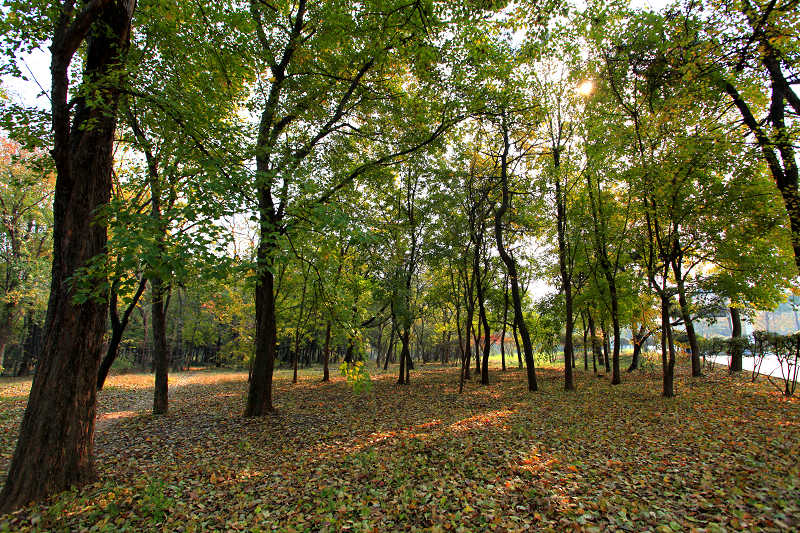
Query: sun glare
point(585, 88)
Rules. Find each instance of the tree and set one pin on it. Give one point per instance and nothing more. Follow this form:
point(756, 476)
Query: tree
point(746, 48)
point(25, 236)
point(54, 450)
point(508, 259)
point(318, 89)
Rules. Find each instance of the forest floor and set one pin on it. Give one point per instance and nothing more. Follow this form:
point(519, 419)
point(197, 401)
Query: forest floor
point(723, 455)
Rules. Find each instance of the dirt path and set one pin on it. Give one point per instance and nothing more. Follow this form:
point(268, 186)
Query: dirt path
point(119, 403)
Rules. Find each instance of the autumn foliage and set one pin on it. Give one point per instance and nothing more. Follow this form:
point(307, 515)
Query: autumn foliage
point(719, 456)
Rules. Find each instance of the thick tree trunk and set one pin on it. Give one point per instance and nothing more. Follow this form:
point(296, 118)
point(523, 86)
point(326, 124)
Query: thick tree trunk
point(54, 451)
point(259, 398)
point(637, 350)
point(736, 335)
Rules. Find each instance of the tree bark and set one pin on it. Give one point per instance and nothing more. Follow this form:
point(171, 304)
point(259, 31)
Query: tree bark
point(667, 347)
point(259, 397)
point(158, 310)
point(697, 368)
point(596, 353)
point(487, 340)
point(5, 333)
point(511, 265)
point(390, 348)
point(638, 340)
point(566, 275)
point(54, 450)
point(505, 323)
point(606, 346)
point(117, 329)
point(326, 353)
point(297, 330)
point(404, 356)
point(736, 335)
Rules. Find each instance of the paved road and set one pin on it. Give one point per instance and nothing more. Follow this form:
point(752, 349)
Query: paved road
point(770, 366)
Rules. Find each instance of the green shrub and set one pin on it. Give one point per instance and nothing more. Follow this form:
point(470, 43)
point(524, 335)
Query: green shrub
point(357, 376)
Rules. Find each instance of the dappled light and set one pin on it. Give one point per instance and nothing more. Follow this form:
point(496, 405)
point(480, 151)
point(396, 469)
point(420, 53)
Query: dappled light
point(383, 265)
point(500, 461)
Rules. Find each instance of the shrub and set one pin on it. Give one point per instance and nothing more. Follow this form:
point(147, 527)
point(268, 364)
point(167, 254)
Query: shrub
point(357, 376)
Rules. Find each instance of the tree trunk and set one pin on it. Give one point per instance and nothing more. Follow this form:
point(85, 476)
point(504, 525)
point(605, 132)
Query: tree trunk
point(585, 351)
point(54, 451)
point(505, 323)
point(566, 275)
point(638, 340)
point(30, 348)
point(297, 329)
point(697, 368)
point(511, 265)
point(736, 335)
point(516, 344)
point(595, 343)
point(390, 349)
point(5, 334)
point(667, 347)
point(616, 379)
point(158, 310)
point(326, 353)
point(405, 355)
point(468, 339)
point(259, 397)
point(487, 340)
point(111, 355)
point(606, 361)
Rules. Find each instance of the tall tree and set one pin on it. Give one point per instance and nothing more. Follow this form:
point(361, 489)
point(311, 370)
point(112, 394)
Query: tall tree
point(54, 450)
point(317, 88)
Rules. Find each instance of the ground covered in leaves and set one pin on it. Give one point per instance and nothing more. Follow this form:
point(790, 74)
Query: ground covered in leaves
point(724, 455)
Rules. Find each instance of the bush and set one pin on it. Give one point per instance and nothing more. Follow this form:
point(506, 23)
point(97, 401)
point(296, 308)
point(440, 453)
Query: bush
point(357, 376)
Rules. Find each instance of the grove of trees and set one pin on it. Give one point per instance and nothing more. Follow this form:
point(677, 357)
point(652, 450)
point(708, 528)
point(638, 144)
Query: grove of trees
point(294, 182)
